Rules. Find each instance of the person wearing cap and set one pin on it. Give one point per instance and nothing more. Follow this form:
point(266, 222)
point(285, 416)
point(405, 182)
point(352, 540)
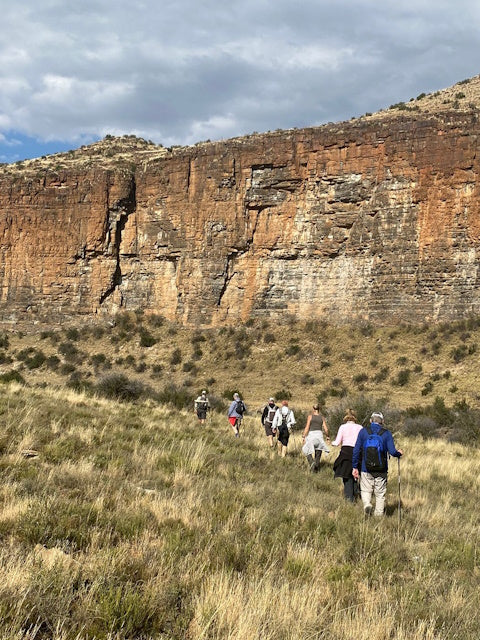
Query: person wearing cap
point(235, 413)
point(313, 441)
point(282, 424)
point(201, 406)
point(342, 467)
point(268, 414)
point(373, 483)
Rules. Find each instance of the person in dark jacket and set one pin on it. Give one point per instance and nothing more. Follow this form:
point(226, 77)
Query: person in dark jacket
point(373, 483)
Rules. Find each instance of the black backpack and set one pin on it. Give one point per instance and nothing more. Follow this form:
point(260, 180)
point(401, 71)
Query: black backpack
point(240, 407)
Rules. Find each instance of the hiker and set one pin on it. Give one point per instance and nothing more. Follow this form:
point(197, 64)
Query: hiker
point(201, 406)
point(235, 413)
point(269, 411)
point(373, 443)
point(282, 425)
point(313, 441)
point(342, 467)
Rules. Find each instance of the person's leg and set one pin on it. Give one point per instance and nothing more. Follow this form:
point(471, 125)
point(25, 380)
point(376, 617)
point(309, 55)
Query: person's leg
point(284, 450)
point(348, 484)
point(366, 491)
point(318, 455)
point(380, 493)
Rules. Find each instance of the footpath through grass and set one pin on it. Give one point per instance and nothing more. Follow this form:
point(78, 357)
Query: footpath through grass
point(135, 522)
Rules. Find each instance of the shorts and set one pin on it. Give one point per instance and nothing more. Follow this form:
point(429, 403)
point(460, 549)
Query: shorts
point(202, 414)
point(268, 429)
point(233, 421)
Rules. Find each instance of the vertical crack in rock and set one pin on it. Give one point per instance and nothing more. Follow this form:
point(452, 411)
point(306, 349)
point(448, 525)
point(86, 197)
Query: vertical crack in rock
point(228, 274)
point(116, 224)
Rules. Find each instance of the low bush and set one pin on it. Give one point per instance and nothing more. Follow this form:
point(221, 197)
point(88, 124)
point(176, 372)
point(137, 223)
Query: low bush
point(120, 387)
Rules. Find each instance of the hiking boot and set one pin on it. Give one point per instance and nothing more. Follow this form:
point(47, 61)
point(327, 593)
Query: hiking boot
point(368, 509)
point(311, 462)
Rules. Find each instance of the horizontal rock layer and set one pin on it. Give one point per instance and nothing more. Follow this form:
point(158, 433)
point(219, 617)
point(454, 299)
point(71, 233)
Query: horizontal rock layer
point(376, 221)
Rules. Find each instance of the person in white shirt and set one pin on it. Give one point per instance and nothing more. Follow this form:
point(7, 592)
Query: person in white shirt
point(282, 425)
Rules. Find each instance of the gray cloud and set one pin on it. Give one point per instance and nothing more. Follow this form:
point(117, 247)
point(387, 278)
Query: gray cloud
point(178, 72)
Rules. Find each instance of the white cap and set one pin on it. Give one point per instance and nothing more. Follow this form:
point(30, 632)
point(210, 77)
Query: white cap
point(376, 415)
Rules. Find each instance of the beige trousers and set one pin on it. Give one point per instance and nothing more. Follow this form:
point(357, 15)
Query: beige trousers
point(371, 486)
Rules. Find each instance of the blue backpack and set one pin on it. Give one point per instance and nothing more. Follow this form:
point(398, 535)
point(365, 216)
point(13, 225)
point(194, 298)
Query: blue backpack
point(374, 451)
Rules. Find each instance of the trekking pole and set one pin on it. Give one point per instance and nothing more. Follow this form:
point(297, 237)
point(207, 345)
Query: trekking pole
point(399, 496)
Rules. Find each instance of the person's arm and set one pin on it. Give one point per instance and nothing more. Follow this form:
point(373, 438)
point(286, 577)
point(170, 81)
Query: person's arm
point(325, 428)
point(339, 439)
point(356, 454)
point(307, 427)
point(392, 450)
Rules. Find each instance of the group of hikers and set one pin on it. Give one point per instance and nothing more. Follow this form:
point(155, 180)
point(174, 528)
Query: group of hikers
point(362, 462)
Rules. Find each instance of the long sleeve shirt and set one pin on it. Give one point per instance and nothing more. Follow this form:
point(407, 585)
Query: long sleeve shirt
point(347, 434)
point(363, 435)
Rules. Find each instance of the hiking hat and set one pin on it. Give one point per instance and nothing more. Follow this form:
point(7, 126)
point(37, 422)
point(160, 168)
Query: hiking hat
point(377, 416)
point(236, 396)
point(271, 399)
point(204, 393)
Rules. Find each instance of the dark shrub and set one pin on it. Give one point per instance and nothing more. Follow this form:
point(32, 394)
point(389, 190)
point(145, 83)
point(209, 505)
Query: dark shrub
point(176, 357)
point(4, 341)
point(269, 338)
point(146, 339)
point(11, 376)
point(72, 334)
point(69, 351)
point(423, 426)
point(402, 378)
point(179, 397)
point(427, 388)
point(119, 386)
point(52, 362)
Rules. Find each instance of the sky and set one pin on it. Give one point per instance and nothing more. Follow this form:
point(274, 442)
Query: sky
point(185, 71)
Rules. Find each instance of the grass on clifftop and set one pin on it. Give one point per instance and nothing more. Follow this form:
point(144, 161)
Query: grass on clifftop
point(135, 522)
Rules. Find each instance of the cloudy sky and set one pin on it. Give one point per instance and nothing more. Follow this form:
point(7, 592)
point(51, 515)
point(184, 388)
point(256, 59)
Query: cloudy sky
point(182, 71)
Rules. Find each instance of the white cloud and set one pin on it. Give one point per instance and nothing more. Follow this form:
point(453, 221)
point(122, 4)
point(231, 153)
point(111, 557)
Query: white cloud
point(178, 71)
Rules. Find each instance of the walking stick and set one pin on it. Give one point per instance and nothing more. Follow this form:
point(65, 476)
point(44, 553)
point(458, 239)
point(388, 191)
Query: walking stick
point(399, 496)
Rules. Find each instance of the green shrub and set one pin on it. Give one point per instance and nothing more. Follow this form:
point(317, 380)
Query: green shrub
point(176, 357)
point(69, 351)
point(11, 376)
point(269, 338)
point(178, 397)
point(4, 341)
point(72, 334)
point(117, 385)
point(402, 378)
point(146, 339)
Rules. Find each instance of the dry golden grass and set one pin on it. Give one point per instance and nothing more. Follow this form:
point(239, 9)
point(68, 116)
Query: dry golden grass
point(135, 522)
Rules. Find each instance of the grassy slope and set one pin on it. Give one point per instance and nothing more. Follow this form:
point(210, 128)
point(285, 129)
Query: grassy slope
point(306, 360)
point(135, 522)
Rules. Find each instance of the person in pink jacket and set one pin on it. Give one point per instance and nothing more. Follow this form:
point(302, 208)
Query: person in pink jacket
point(342, 467)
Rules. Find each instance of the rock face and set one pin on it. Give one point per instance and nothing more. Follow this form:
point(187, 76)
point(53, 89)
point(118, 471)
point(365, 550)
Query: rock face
point(377, 220)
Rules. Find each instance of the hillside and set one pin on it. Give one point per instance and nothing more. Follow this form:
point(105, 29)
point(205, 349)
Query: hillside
point(132, 522)
point(403, 366)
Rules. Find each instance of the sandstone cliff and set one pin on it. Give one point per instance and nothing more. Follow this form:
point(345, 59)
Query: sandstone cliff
point(377, 218)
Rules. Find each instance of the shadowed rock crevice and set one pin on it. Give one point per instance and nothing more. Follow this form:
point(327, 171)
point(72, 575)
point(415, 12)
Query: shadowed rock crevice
point(117, 218)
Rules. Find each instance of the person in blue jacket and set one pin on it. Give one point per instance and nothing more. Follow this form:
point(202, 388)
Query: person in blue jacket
point(372, 446)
